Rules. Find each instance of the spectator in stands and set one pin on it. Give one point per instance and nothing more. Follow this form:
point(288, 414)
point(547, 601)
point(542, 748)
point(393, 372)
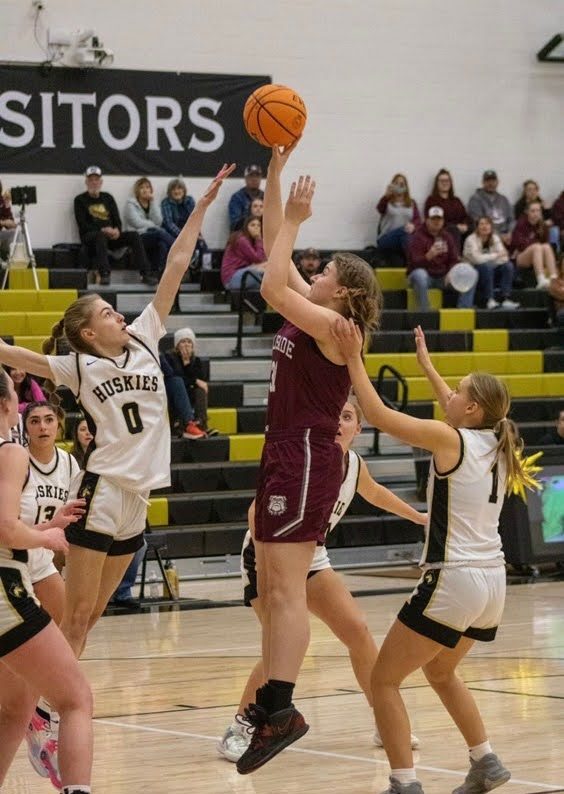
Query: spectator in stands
point(556, 292)
point(26, 387)
point(176, 208)
point(431, 254)
point(484, 249)
point(257, 207)
point(7, 224)
point(99, 227)
point(81, 438)
point(529, 195)
point(179, 405)
point(189, 367)
point(557, 213)
point(556, 434)
point(123, 597)
point(309, 263)
point(142, 215)
point(240, 202)
point(244, 251)
point(530, 246)
point(487, 202)
point(457, 220)
point(399, 216)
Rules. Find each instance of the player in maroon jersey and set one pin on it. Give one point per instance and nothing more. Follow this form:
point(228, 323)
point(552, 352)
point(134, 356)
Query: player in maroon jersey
point(301, 465)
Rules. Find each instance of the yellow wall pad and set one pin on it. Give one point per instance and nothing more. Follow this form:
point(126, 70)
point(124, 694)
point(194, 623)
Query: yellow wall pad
point(435, 299)
point(28, 323)
point(510, 362)
point(223, 419)
point(157, 512)
point(25, 300)
point(550, 384)
point(490, 340)
point(246, 446)
point(457, 319)
point(23, 279)
point(391, 278)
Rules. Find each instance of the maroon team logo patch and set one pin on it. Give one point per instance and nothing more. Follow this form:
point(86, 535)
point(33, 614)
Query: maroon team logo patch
point(277, 505)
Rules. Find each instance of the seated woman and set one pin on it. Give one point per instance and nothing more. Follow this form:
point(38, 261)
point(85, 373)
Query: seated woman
point(484, 249)
point(142, 215)
point(530, 246)
point(179, 405)
point(399, 216)
point(81, 438)
point(26, 387)
point(244, 252)
point(176, 208)
point(530, 194)
point(457, 220)
point(188, 366)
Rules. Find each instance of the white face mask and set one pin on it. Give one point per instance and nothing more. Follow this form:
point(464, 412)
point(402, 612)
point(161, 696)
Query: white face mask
point(399, 189)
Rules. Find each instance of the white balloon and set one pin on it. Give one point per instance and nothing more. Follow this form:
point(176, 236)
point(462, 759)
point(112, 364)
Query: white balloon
point(463, 277)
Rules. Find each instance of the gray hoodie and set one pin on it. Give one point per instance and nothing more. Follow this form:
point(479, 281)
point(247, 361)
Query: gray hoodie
point(494, 206)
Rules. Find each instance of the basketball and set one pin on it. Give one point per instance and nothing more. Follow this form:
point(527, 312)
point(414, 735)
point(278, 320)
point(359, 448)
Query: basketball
point(274, 115)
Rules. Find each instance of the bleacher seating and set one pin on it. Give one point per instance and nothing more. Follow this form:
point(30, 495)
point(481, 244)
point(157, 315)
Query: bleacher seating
point(203, 513)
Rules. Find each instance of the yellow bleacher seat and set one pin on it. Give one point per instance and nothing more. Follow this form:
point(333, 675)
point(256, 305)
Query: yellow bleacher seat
point(223, 419)
point(390, 278)
point(457, 319)
point(23, 279)
point(25, 300)
point(246, 446)
point(157, 512)
point(490, 340)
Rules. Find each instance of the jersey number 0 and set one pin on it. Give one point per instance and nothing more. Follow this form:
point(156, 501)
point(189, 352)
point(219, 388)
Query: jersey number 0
point(132, 417)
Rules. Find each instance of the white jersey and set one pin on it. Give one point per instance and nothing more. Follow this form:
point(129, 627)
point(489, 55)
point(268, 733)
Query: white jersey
point(12, 557)
point(464, 506)
point(49, 486)
point(124, 401)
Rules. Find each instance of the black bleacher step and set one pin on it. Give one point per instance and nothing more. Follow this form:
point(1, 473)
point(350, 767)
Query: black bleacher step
point(212, 477)
point(533, 432)
point(531, 298)
point(209, 508)
point(554, 360)
point(404, 341)
point(536, 409)
point(401, 320)
point(251, 419)
point(186, 450)
point(531, 339)
point(225, 394)
point(62, 278)
point(518, 318)
point(210, 281)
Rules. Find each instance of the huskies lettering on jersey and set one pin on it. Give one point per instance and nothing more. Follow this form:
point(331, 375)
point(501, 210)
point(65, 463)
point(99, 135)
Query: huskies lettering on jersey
point(125, 383)
point(283, 345)
point(51, 492)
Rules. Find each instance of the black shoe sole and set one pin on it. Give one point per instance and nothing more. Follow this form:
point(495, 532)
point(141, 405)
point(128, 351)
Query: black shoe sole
point(274, 750)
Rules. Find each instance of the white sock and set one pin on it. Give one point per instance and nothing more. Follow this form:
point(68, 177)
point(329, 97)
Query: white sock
point(404, 776)
point(478, 752)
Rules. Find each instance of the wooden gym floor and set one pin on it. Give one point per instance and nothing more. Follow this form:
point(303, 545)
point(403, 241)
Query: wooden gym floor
point(167, 683)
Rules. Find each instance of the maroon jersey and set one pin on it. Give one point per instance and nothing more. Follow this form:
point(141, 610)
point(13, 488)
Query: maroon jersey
point(306, 389)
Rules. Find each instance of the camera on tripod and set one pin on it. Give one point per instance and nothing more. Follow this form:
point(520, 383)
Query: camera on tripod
point(24, 195)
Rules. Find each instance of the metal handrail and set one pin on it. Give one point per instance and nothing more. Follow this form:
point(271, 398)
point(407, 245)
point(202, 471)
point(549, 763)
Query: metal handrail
point(238, 352)
point(394, 405)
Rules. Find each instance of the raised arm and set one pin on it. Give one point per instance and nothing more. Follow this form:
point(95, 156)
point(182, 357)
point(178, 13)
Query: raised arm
point(183, 247)
point(273, 213)
point(14, 534)
point(442, 390)
point(21, 357)
point(438, 437)
point(382, 497)
point(295, 307)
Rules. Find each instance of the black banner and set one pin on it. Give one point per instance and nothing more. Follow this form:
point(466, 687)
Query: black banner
point(59, 121)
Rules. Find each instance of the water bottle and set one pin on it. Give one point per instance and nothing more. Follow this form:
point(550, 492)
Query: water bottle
point(172, 578)
point(153, 585)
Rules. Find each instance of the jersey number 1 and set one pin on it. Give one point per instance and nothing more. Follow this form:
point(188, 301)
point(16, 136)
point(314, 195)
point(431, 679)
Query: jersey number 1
point(132, 417)
point(272, 386)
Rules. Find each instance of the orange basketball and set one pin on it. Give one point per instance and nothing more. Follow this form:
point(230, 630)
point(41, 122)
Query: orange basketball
point(274, 115)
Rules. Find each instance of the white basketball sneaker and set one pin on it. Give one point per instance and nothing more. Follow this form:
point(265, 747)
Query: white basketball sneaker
point(235, 740)
point(377, 741)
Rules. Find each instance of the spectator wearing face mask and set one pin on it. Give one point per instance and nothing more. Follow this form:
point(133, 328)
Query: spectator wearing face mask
point(399, 216)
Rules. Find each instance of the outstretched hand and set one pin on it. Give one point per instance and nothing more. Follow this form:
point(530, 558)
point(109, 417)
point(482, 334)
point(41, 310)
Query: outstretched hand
point(422, 354)
point(211, 193)
point(348, 337)
point(69, 513)
point(280, 156)
point(298, 206)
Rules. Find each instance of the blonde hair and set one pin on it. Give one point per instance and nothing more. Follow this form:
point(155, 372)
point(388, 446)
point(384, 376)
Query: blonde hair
point(363, 300)
point(492, 395)
point(357, 409)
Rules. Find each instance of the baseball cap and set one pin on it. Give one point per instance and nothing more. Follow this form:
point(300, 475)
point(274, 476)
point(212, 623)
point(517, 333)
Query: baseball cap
point(435, 212)
point(252, 170)
point(490, 174)
point(310, 253)
point(93, 170)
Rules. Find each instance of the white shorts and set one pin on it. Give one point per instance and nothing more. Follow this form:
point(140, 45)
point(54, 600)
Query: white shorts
point(40, 564)
point(21, 615)
point(114, 520)
point(449, 603)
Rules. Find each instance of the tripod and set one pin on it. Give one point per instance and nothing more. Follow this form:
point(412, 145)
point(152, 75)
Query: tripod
point(21, 236)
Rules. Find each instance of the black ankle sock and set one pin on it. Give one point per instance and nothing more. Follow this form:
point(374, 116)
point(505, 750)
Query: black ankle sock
point(282, 692)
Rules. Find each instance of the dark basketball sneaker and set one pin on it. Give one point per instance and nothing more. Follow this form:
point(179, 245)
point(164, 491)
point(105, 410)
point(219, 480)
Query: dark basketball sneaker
point(272, 733)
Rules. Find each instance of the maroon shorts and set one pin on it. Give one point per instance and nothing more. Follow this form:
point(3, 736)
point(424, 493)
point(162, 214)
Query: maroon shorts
point(299, 482)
